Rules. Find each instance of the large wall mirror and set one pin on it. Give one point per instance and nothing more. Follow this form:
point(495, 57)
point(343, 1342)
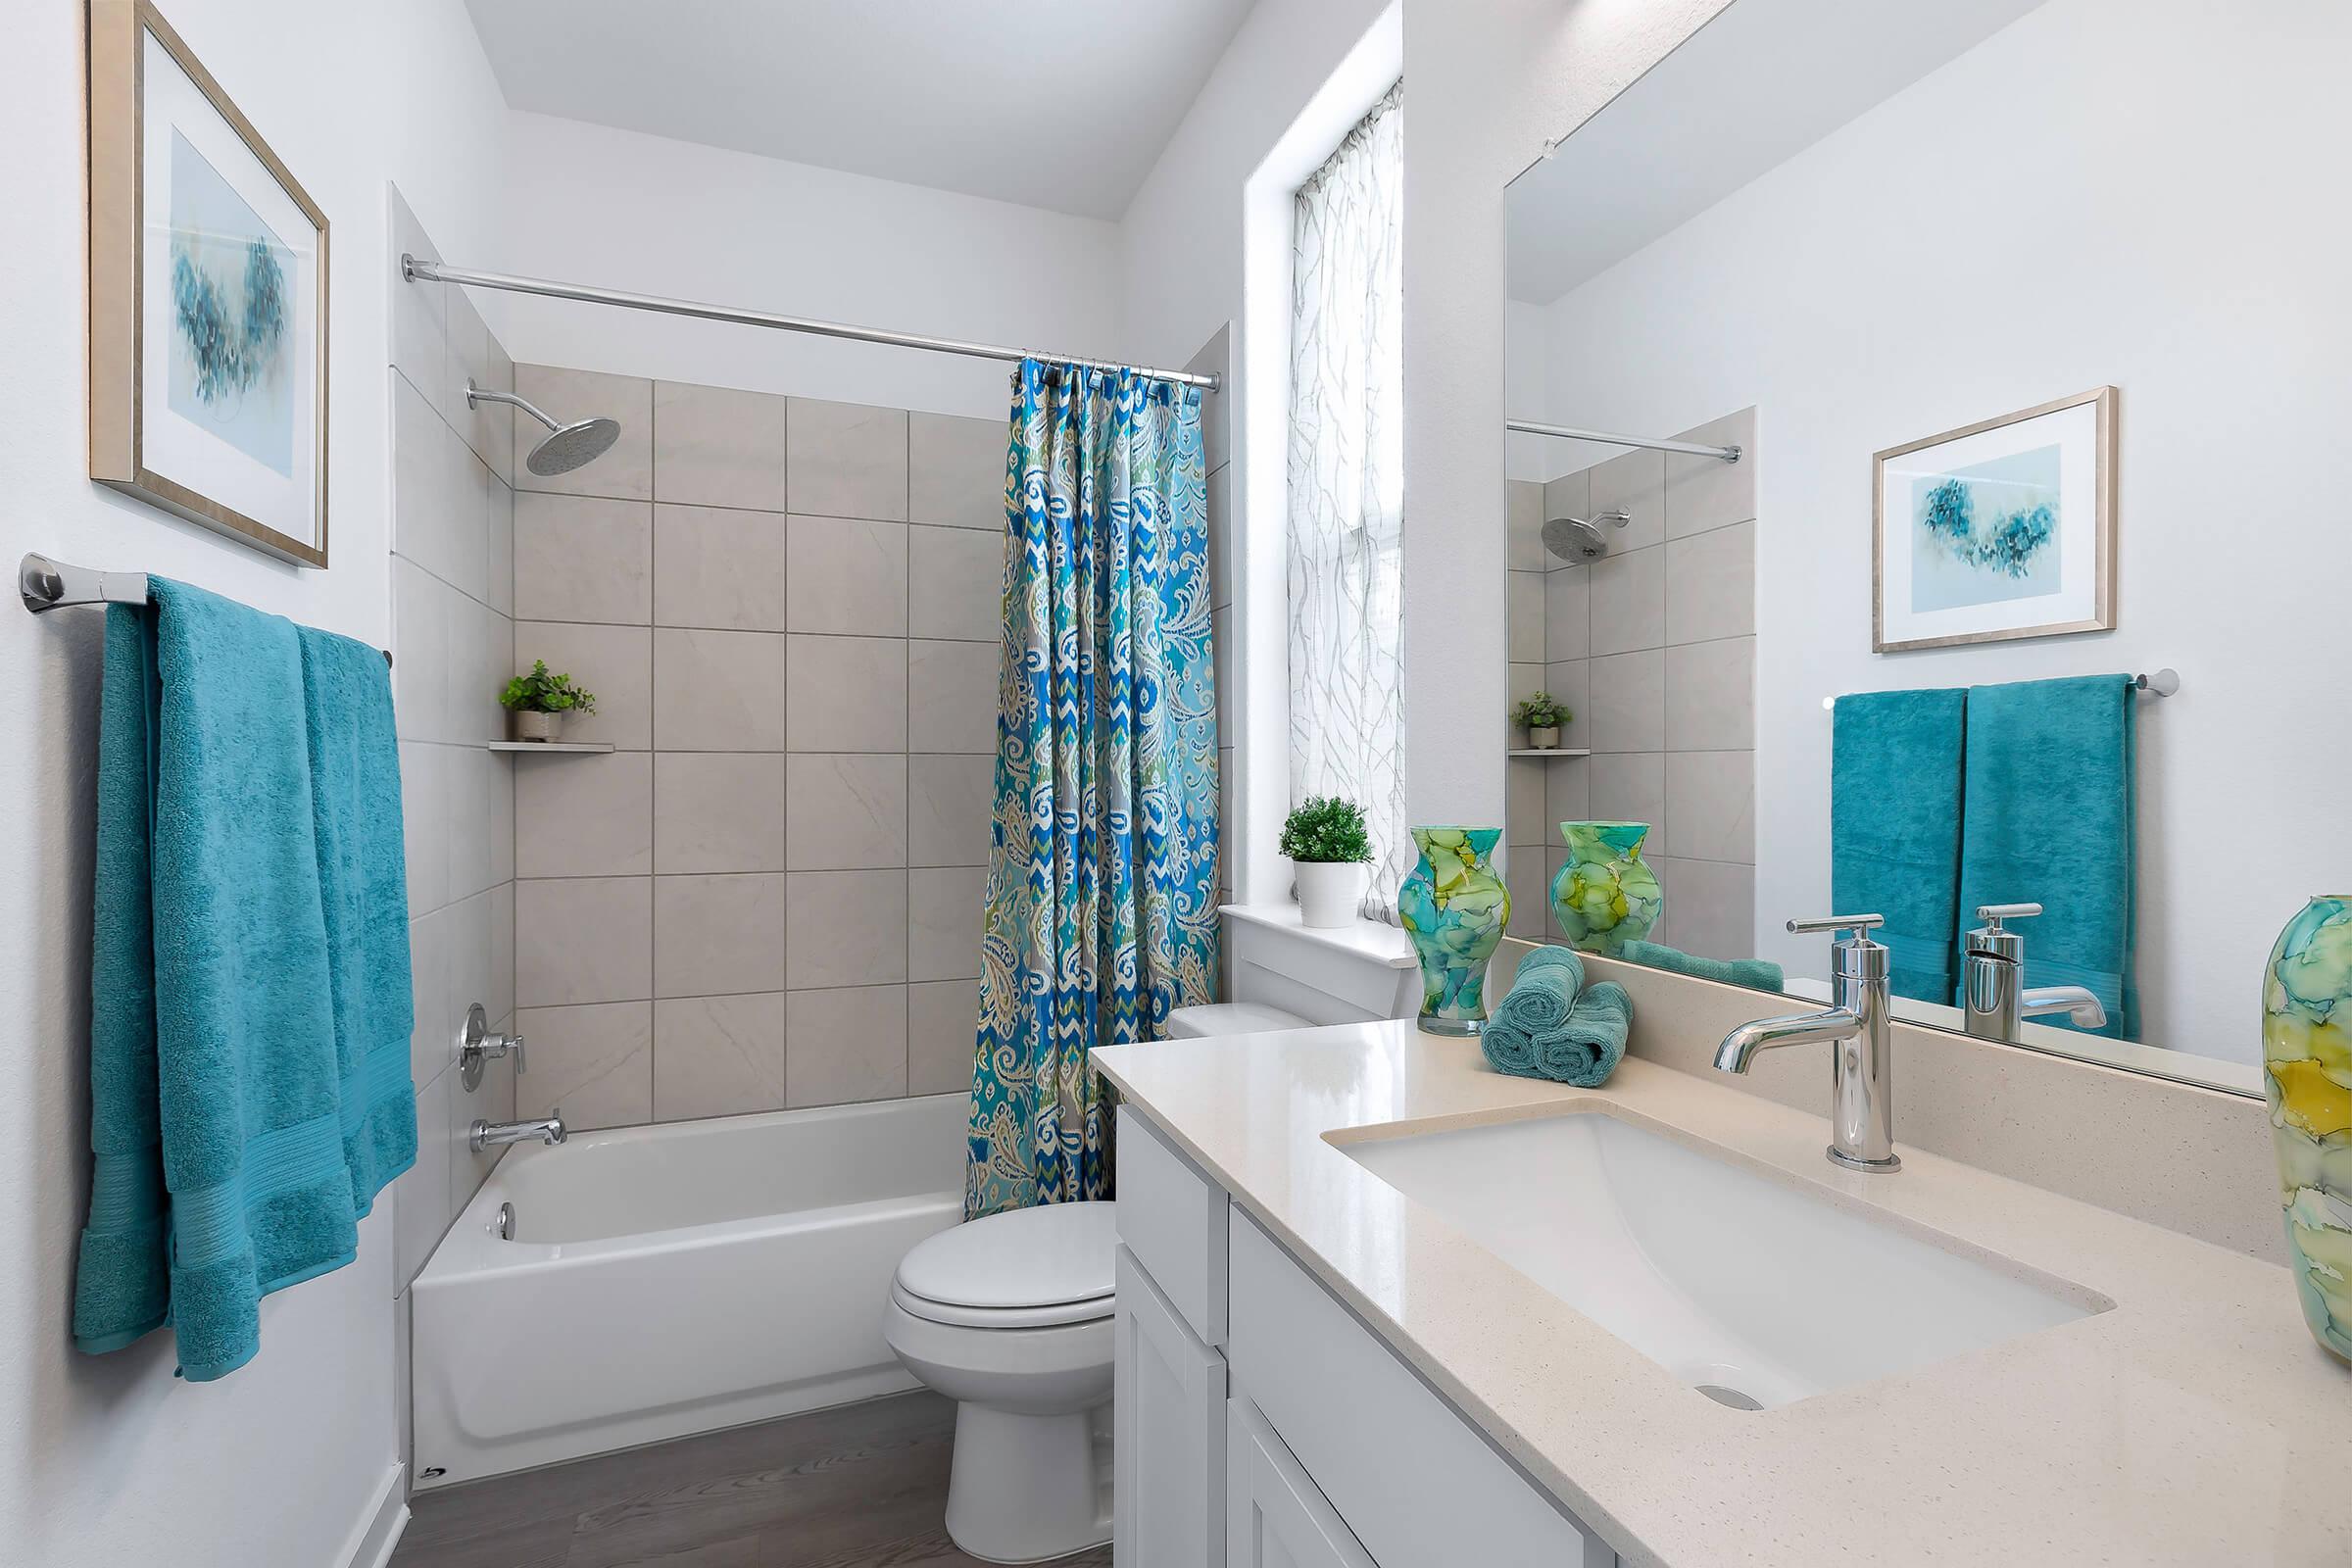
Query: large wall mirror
point(2025, 583)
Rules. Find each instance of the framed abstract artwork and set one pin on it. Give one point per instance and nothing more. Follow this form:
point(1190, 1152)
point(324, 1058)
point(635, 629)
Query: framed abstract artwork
point(208, 299)
point(2000, 529)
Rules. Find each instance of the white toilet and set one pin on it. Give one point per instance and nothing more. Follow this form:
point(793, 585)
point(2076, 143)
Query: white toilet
point(1010, 1317)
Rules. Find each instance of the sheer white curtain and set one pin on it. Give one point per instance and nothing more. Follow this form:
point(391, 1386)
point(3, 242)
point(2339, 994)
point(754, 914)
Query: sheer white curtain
point(1346, 489)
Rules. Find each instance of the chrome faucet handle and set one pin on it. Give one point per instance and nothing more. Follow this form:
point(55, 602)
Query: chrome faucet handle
point(479, 1045)
point(1992, 914)
point(1857, 956)
point(1860, 924)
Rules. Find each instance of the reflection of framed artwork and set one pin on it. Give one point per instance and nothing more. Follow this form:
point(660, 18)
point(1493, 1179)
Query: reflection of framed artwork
point(1997, 530)
point(208, 299)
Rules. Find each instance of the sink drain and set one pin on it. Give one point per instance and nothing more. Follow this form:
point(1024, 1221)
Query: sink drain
point(1731, 1397)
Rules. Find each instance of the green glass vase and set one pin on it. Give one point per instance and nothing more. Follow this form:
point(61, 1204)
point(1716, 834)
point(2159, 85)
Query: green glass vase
point(1453, 906)
point(2307, 1077)
point(1605, 895)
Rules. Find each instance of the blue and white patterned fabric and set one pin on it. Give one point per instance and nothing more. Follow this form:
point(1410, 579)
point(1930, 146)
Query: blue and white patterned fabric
point(1102, 869)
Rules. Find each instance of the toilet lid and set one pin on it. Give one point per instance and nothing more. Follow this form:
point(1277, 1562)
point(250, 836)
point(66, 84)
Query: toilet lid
point(1051, 1255)
point(1209, 1018)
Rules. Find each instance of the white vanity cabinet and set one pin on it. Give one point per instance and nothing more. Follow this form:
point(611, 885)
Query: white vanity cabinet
point(1259, 1424)
point(1168, 1432)
point(1276, 1517)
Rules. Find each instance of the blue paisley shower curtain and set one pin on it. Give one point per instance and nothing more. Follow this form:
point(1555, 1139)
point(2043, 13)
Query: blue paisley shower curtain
point(1102, 870)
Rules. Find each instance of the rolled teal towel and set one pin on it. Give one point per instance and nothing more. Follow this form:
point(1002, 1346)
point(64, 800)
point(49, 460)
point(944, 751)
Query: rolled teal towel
point(1586, 1050)
point(1757, 974)
point(1540, 1000)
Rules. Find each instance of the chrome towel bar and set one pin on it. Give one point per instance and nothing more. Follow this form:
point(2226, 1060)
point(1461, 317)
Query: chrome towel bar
point(45, 585)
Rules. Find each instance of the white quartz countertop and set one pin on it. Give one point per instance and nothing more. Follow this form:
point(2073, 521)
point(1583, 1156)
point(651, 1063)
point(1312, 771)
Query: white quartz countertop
point(2196, 1423)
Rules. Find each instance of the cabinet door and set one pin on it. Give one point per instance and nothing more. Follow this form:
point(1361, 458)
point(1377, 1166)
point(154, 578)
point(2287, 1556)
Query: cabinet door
point(1168, 1434)
point(1275, 1517)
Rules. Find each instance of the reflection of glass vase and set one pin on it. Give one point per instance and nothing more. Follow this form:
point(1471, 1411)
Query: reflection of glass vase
point(1606, 895)
point(1453, 906)
point(2307, 1077)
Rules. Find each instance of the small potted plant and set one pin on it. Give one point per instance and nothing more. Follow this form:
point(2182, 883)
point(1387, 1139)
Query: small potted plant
point(539, 700)
point(1328, 845)
point(1541, 716)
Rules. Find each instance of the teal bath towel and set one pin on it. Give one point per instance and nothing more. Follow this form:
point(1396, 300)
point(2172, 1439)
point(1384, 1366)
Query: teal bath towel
point(2051, 820)
point(1757, 974)
point(1550, 1025)
point(1895, 828)
point(249, 971)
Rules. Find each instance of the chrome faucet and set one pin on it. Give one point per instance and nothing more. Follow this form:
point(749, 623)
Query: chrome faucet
point(548, 1129)
point(1861, 1090)
point(1992, 993)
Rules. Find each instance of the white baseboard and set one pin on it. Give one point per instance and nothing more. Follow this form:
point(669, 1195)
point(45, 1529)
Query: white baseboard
point(379, 1529)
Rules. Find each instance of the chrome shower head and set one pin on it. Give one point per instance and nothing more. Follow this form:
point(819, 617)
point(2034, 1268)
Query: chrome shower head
point(566, 447)
point(1575, 539)
point(573, 445)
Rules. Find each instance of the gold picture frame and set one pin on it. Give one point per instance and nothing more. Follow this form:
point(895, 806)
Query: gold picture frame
point(2076, 437)
point(218, 412)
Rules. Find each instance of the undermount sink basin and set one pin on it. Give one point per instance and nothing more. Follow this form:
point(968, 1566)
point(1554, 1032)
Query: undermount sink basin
point(1746, 1287)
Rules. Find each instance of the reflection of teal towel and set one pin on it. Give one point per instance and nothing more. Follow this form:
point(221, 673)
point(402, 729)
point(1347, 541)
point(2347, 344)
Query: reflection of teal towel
point(1895, 828)
point(1757, 974)
point(2050, 821)
point(1550, 1025)
point(249, 971)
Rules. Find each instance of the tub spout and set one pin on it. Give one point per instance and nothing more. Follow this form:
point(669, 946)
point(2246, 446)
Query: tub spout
point(494, 1134)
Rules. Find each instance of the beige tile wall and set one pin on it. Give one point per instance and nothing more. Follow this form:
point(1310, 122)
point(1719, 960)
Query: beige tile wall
point(452, 597)
point(1653, 650)
point(770, 894)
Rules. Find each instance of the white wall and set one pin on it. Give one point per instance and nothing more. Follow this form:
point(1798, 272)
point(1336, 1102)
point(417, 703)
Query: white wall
point(618, 209)
point(111, 1460)
point(2103, 234)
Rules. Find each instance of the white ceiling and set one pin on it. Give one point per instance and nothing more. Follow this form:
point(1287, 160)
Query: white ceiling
point(1059, 104)
point(1758, 84)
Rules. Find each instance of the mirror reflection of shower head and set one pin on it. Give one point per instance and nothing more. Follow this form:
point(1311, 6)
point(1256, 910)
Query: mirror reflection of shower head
point(567, 447)
point(1579, 540)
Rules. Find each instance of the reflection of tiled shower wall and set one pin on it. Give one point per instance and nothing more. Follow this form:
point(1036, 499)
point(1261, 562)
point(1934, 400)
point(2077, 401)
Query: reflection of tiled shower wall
point(770, 895)
point(452, 594)
point(1654, 649)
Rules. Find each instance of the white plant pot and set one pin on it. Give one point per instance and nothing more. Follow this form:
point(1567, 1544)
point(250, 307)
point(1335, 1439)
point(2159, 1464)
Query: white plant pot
point(1546, 739)
point(1329, 892)
point(532, 725)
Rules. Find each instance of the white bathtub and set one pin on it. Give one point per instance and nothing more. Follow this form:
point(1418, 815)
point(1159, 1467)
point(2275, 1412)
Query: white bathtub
point(674, 1278)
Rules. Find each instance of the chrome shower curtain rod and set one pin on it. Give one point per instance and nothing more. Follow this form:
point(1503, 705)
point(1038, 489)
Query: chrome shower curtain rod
point(418, 270)
point(1567, 433)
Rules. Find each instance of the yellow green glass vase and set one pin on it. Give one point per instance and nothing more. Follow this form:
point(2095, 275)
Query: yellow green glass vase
point(2307, 1077)
point(1453, 906)
point(1605, 895)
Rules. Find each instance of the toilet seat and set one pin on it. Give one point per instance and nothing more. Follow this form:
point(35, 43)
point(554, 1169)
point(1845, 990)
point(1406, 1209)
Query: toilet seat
point(1028, 1268)
point(1052, 1315)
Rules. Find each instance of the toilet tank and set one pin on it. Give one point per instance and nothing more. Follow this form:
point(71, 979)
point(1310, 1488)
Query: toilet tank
point(1351, 974)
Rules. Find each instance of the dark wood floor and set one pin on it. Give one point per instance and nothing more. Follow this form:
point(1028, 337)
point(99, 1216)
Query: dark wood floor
point(861, 1487)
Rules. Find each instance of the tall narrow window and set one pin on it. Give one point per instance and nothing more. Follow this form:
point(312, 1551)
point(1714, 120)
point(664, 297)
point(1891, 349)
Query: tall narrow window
point(1346, 489)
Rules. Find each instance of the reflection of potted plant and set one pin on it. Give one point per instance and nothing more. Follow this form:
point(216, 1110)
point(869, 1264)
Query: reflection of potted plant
point(1541, 716)
point(1328, 845)
point(539, 700)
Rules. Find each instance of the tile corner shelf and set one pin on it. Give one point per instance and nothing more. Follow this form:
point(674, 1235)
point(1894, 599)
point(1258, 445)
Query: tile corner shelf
point(550, 748)
point(1547, 750)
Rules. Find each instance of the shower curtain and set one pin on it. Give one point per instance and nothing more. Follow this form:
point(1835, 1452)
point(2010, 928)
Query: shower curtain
point(1102, 869)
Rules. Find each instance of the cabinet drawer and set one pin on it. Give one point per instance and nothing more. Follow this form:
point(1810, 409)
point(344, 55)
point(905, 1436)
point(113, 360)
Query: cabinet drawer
point(1414, 1481)
point(1172, 1218)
